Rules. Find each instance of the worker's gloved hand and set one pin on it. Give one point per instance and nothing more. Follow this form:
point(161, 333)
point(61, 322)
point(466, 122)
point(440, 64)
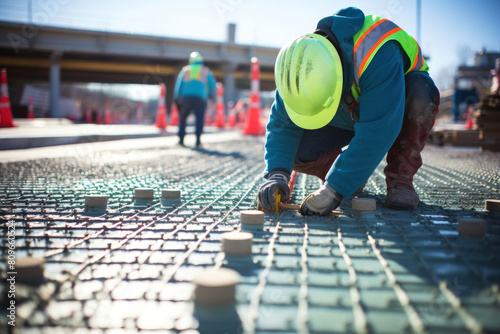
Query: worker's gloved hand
point(277, 183)
point(321, 202)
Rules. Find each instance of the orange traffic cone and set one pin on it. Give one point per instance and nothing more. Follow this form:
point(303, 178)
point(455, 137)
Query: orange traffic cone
point(108, 117)
point(220, 117)
point(231, 118)
point(6, 120)
point(88, 115)
point(174, 115)
point(469, 123)
point(161, 113)
point(239, 111)
point(31, 110)
point(208, 118)
point(253, 125)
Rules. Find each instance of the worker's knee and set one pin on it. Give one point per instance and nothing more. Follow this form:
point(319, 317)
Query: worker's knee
point(422, 96)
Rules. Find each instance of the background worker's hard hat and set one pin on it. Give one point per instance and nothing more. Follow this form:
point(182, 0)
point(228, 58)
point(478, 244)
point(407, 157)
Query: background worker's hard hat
point(308, 75)
point(195, 57)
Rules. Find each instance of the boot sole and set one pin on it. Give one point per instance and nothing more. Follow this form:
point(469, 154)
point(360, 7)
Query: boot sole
point(401, 206)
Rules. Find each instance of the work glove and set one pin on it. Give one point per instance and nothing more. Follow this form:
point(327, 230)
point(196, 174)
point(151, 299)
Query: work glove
point(276, 184)
point(321, 202)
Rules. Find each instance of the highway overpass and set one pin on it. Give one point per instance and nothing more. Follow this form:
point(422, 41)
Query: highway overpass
point(55, 55)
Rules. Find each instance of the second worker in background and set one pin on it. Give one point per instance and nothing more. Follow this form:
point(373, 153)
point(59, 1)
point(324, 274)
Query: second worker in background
point(194, 86)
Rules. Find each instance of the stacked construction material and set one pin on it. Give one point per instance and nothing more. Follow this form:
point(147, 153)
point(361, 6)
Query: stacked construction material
point(454, 137)
point(488, 121)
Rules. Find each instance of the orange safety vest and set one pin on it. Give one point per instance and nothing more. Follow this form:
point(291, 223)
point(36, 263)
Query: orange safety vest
point(196, 72)
point(374, 33)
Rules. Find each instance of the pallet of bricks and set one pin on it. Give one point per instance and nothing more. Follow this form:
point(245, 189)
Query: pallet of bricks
point(488, 122)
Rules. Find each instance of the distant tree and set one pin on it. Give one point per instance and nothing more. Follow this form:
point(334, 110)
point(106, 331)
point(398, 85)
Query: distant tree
point(445, 78)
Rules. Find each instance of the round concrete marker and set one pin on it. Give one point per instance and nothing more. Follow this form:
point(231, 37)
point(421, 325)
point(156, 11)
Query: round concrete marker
point(144, 193)
point(92, 201)
point(170, 193)
point(214, 288)
point(29, 270)
point(472, 227)
point(237, 243)
point(364, 204)
point(492, 205)
point(252, 217)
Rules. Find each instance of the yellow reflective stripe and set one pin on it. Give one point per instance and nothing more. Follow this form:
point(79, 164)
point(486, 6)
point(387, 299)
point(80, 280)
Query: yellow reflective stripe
point(370, 38)
point(371, 53)
point(195, 72)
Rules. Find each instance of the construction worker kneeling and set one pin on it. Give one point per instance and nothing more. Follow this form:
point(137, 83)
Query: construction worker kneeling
point(358, 80)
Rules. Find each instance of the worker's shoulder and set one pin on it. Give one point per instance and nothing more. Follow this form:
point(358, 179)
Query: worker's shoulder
point(389, 51)
point(391, 47)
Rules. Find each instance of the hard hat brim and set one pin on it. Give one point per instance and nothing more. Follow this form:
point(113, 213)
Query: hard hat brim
point(325, 116)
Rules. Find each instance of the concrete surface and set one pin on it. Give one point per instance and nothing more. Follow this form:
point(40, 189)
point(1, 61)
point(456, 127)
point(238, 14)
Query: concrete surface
point(41, 132)
point(129, 269)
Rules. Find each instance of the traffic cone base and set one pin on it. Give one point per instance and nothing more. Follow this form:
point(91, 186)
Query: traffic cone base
point(174, 115)
point(6, 120)
point(220, 117)
point(108, 117)
point(231, 120)
point(161, 114)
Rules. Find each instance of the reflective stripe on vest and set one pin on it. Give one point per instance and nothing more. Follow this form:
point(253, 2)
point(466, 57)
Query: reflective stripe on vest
point(374, 33)
point(195, 72)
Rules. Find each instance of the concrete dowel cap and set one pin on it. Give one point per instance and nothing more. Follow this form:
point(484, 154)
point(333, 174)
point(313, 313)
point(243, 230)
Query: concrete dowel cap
point(364, 204)
point(214, 288)
point(492, 205)
point(29, 270)
point(472, 227)
point(144, 193)
point(170, 193)
point(96, 200)
point(252, 217)
point(237, 243)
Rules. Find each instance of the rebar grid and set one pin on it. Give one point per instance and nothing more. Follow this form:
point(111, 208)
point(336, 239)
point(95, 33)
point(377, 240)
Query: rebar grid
point(129, 268)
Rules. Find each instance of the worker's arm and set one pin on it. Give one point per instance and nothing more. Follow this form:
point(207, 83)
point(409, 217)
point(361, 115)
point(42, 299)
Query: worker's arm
point(211, 85)
point(282, 139)
point(282, 142)
point(381, 105)
point(179, 85)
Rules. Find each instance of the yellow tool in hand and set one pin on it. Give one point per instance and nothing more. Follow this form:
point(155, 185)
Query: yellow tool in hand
point(285, 206)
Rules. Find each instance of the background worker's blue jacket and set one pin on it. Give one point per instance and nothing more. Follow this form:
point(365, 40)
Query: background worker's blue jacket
point(195, 80)
point(381, 110)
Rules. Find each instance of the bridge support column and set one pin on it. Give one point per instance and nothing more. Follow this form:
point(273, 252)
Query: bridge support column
point(229, 83)
point(55, 84)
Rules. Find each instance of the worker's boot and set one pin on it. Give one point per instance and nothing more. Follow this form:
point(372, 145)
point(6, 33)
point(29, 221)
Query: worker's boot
point(319, 167)
point(198, 143)
point(404, 159)
point(401, 198)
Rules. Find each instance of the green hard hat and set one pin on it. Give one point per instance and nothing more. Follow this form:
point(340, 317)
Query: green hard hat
point(195, 57)
point(308, 75)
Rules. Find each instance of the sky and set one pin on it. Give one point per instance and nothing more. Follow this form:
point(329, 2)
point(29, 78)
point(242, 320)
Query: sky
point(452, 30)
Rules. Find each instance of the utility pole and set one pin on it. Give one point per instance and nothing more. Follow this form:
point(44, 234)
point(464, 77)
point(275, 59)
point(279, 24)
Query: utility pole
point(30, 12)
point(419, 4)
